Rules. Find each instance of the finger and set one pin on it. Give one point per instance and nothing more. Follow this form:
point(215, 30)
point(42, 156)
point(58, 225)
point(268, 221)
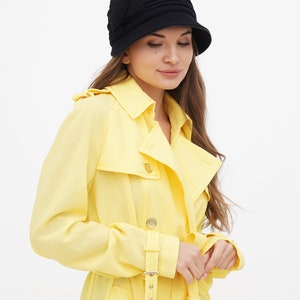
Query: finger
point(224, 256)
point(197, 271)
point(215, 259)
point(196, 267)
point(228, 258)
point(206, 258)
point(196, 264)
point(190, 262)
point(228, 262)
point(187, 275)
point(210, 265)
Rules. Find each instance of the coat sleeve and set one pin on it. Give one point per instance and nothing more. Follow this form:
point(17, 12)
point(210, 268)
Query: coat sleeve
point(60, 229)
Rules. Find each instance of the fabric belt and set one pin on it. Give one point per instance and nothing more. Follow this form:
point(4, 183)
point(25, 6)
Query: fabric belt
point(151, 269)
point(193, 291)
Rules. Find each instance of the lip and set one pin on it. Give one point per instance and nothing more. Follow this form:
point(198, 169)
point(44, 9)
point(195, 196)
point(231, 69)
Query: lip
point(169, 72)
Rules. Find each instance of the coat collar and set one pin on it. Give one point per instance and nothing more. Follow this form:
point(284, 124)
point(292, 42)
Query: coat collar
point(127, 93)
point(135, 102)
point(131, 97)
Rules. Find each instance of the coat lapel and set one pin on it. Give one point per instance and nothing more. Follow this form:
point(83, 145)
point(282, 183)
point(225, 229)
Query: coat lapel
point(197, 165)
point(157, 147)
point(194, 166)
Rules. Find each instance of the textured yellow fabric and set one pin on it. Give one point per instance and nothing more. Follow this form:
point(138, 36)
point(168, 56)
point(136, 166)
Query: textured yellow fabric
point(109, 177)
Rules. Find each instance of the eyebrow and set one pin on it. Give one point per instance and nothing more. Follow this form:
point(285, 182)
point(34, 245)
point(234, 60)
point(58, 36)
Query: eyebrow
point(162, 36)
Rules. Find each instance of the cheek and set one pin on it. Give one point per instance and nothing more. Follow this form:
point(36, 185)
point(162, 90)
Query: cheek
point(146, 58)
point(187, 55)
point(189, 59)
point(190, 55)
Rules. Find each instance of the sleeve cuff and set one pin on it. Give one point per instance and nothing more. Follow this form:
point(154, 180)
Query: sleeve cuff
point(168, 255)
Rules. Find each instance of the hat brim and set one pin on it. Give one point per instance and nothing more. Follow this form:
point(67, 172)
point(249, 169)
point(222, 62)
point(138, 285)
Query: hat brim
point(201, 34)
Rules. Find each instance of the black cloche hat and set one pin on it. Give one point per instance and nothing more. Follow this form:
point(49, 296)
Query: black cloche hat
point(130, 20)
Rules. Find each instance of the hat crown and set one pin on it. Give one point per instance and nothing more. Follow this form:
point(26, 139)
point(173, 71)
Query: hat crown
point(121, 13)
point(129, 20)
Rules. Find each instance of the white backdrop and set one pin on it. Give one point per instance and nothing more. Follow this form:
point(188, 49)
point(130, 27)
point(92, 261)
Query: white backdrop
point(51, 50)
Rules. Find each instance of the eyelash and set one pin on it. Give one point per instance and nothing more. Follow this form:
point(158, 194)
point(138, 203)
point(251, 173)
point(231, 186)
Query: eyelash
point(153, 45)
point(184, 44)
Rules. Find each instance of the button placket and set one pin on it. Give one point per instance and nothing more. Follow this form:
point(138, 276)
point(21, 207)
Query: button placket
point(152, 244)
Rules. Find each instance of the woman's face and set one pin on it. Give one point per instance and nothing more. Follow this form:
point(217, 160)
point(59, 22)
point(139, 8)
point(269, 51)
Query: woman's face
point(160, 61)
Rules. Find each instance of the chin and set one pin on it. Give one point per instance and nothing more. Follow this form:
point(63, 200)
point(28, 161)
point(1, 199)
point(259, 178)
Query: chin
point(171, 86)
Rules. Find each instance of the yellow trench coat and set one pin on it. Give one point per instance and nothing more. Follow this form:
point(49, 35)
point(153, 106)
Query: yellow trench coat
point(109, 182)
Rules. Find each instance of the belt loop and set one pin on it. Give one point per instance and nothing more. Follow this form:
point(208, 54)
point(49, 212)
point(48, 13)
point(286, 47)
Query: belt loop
point(151, 268)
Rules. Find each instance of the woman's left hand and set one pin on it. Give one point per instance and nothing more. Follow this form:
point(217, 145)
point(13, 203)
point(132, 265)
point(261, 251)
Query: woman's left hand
point(222, 255)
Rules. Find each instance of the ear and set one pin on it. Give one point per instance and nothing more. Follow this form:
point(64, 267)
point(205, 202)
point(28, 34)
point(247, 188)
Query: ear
point(125, 59)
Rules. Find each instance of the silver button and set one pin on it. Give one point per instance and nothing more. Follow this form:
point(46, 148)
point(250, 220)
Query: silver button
point(151, 223)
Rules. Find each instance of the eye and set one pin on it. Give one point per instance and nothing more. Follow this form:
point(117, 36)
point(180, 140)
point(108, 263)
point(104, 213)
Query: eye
point(184, 44)
point(154, 45)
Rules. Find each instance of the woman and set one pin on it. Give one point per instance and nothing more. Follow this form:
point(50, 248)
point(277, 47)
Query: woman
point(131, 177)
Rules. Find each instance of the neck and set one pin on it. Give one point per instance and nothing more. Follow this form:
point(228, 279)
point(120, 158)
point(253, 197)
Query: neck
point(160, 112)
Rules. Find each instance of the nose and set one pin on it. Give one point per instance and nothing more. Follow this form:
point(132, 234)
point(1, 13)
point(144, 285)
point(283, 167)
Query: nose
point(171, 55)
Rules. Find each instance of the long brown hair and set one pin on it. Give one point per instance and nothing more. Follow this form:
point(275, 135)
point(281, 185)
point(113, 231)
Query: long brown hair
point(193, 102)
